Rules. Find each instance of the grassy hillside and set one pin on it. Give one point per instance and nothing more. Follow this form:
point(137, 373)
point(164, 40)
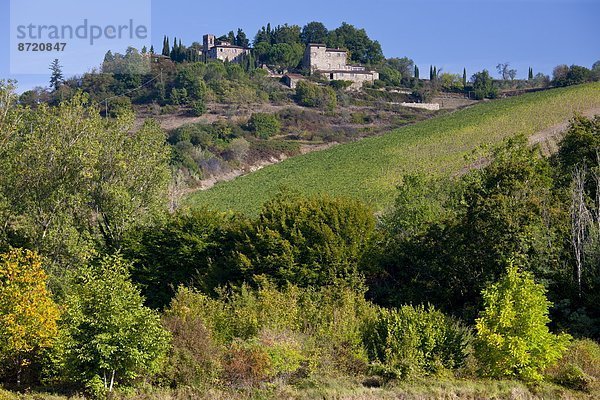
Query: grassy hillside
point(371, 168)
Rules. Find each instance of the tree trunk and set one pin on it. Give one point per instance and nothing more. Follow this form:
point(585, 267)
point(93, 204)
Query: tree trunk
point(112, 381)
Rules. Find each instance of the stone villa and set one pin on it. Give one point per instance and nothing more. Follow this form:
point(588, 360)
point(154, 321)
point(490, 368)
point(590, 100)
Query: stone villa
point(215, 49)
point(318, 59)
point(333, 65)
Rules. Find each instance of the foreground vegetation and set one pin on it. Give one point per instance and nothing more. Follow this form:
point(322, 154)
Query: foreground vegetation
point(369, 170)
point(486, 283)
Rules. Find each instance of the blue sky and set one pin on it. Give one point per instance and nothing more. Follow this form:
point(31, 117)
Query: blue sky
point(475, 34)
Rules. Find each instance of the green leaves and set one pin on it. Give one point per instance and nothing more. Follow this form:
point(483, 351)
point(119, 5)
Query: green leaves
point(72, 179)
point(109, 328)
point(513, 339)
point(309, 241)
point(28, 315)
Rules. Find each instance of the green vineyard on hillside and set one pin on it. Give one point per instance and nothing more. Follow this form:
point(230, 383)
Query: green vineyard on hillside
point(370, 169)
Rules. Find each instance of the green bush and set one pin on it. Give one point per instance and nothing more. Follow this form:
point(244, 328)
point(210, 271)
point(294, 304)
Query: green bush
point(311, 95)
point(264, 125)
point(340, 84)
point(513, 339)
point(415, 340)
point(307, 240)
point(118, 106)
point(198, 107)
point(579, 368)
point(267, 333)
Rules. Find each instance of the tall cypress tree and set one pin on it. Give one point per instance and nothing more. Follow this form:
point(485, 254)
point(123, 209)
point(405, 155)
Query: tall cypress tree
point(151, 49)
point(166, 51)
point(464, 77)
point(435, 73)
point(530, 76)
point(416, 72)
point(431, 72)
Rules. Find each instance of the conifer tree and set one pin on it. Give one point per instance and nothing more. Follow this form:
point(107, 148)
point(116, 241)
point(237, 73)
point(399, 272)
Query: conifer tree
point(464, 77)
point(56, 78)
point(151, 49)
point(416, 72)
point(431, 72)
point(166, 51)
point(530, 76)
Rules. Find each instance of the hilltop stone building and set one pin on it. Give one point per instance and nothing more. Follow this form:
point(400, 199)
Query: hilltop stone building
point(214, 49)
point(333, 65)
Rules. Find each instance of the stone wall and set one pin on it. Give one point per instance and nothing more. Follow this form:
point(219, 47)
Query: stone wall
point(425, 106)
point(358, 78)
point(227, 53)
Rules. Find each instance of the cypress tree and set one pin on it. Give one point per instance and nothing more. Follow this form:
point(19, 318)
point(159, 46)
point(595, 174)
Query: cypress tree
point(166, 48)
point(530, 77)
point(416, 72)
point(464, 77)
point(431, 72)
point(435, 73)
point(151, 49)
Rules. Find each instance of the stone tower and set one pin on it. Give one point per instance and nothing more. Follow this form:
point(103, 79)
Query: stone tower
point(209, 42)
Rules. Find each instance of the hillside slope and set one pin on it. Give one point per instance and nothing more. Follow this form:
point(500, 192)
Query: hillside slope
point(371, 168)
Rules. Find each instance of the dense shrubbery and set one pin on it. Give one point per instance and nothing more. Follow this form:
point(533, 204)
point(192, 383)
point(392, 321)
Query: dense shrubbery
point(413, 341)
point(305, 241)
point(264, 125)
point(311, 95)
point(282, 298)
point(293, 333)
point(579, 368)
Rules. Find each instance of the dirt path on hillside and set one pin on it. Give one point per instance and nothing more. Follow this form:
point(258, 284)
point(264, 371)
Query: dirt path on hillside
point(549, 138)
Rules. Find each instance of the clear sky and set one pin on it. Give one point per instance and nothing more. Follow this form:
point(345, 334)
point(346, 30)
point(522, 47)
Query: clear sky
point(451, 34)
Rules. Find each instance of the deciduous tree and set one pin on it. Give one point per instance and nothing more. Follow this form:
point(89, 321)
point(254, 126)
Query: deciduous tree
point(28, 315)
point(112, 337)
point(513, 339)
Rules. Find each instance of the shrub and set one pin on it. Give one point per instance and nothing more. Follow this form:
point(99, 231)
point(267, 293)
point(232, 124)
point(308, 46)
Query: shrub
point(268, 333)
point(513, 339)
point(264, 125)
point(118, 106)
point(246, 363)
point(311, 95)
point(415, 340)
point(198, 107)
point(307, 241)
point(579, 368)
point(194, 358)
point(340, 84)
